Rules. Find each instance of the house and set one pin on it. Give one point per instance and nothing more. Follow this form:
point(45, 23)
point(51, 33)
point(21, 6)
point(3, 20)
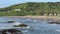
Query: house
point(45, 14)
point(55, 14)
point(17, 9)
point(58, 14)
point(50, 14)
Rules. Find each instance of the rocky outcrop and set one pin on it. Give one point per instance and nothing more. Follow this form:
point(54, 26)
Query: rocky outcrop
point(21, 25)
point(11, 31)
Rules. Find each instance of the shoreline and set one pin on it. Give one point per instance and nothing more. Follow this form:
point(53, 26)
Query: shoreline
point(31, 16)
point(49, 19)
point(43, 18)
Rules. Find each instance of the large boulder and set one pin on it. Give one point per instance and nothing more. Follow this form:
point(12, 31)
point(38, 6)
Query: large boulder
point(10, 31)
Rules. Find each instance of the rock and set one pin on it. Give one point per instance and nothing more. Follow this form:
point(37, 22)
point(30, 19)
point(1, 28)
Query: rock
point(10, 21)
point(53, 22)
point(10, 31)
point(17, 24)
point(21, 25)
point(57, 22)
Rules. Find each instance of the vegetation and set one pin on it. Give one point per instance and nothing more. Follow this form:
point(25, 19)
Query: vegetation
point(31, 8)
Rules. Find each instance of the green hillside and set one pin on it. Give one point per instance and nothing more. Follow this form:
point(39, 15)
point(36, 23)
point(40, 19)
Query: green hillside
point(31, 8)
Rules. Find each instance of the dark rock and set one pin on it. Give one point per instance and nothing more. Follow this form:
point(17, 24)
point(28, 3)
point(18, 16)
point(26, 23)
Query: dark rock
point(10, 21)
point(12, 31)
point(21, 25)
point(53, 22)
point(57, 22)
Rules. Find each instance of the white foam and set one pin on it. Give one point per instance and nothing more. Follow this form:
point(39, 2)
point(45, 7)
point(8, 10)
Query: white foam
point(25, 27)
point(28, 27)
point(16, 23)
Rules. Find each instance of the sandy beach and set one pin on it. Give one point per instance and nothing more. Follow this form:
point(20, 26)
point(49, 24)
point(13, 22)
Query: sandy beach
point(33, 16)
point(44, 18)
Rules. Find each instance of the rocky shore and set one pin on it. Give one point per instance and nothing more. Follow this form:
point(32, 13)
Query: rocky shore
point(43, 18)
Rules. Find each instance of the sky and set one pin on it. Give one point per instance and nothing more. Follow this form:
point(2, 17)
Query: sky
point(6, 3)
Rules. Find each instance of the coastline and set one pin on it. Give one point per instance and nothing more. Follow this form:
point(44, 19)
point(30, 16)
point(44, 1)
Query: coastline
point(49, 19)
point(43, 18)
point(31, 16)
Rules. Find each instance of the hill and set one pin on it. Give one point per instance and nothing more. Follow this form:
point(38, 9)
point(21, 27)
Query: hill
point(31, 8)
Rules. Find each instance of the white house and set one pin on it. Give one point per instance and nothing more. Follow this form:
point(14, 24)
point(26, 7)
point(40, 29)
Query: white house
point(17, 9)
point(55, 14)
point(45, 14)
point(50, 14)
point(58, 14)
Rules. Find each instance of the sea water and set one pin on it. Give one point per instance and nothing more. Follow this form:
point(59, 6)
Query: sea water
point(37, 26)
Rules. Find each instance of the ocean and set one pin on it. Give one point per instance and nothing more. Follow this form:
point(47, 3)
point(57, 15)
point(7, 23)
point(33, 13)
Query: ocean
point(37, 26)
